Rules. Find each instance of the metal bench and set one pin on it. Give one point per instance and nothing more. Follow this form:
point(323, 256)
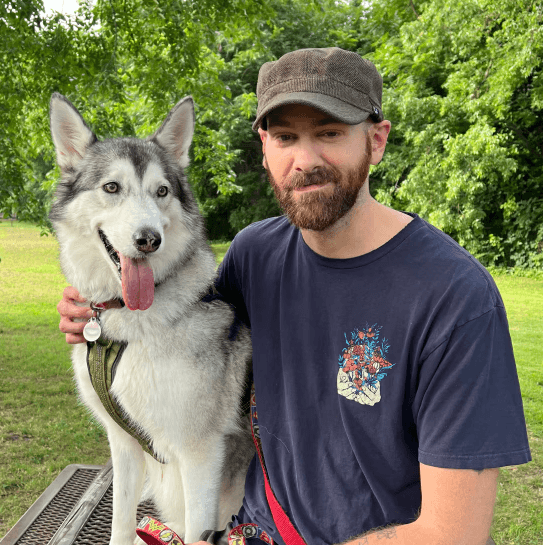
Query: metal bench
point(75, 509)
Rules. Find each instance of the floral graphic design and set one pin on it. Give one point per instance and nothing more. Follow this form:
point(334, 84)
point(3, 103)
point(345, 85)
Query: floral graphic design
point(362, 365)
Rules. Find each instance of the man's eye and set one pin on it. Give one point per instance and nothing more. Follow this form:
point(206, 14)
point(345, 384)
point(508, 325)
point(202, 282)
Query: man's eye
point(111, 187)
point(331, 134)
point(284, 137)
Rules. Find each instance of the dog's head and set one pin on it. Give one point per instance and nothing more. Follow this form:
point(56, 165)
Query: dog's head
point(123, 212)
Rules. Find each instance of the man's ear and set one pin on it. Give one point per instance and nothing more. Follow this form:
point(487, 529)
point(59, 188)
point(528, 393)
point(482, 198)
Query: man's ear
point(379, 136)
point(263, 136)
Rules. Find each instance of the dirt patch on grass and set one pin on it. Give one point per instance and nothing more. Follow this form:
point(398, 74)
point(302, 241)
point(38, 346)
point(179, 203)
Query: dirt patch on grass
point(17, 437)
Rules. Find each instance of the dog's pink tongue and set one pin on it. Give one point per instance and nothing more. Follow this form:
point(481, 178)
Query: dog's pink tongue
point(138, 283)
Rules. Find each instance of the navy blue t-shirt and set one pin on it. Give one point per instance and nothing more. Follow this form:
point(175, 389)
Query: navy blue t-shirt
point(365, 367)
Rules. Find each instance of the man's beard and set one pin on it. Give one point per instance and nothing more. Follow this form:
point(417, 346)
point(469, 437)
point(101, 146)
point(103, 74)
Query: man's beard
point(317, 211)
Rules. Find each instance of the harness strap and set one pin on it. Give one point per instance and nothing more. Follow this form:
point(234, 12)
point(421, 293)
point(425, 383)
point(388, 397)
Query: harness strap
point(103, 357)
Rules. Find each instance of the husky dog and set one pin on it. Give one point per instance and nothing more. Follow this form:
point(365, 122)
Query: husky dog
point(129, 229)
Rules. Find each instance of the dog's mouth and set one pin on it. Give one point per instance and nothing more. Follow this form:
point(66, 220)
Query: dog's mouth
point(113, 254)
point(136, 276)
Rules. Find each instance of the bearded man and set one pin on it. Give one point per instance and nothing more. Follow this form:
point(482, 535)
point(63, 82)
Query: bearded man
point(385, 380)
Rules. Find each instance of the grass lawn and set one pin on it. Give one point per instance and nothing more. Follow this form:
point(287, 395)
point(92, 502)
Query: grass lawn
point(43, 428)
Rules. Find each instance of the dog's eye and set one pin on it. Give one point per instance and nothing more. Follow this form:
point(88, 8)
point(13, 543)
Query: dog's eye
point(162, 191)
point(111, 187)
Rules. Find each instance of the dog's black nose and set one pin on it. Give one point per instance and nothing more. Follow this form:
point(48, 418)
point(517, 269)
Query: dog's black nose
point(147, 240)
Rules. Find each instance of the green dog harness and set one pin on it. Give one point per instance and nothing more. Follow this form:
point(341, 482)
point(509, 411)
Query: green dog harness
point(103, 356)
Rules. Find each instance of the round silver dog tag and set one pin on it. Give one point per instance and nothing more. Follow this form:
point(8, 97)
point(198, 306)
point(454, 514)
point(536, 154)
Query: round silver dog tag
point(92, 330)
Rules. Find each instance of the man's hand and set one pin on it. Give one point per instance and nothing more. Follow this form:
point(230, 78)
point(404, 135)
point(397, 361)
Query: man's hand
point(69, 311)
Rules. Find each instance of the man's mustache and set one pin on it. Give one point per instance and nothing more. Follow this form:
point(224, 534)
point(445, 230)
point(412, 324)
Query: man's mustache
point(318, 176)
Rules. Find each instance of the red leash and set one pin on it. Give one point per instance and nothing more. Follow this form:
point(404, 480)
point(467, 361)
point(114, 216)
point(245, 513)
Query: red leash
point(154, 532)
point(286, 529)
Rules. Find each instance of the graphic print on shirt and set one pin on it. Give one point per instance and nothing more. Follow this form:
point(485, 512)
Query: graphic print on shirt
point(362, 365)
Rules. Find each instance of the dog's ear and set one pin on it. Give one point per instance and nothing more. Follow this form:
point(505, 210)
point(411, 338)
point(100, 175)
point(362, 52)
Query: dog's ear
point(175, 134)
point(70, 133)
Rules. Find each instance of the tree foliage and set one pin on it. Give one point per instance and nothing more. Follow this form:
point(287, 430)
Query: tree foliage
point(463, 87)
point(464, 90)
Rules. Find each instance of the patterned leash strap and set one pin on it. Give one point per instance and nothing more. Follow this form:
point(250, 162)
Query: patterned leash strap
point(154, 532)
point(241, 533)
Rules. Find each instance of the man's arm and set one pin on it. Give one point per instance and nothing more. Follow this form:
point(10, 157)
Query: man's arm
point(457, 509)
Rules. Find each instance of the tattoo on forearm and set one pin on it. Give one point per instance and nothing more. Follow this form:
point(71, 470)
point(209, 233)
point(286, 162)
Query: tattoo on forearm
point(387, 533)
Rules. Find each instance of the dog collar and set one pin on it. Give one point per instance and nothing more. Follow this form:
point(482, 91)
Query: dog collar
point(106, 305)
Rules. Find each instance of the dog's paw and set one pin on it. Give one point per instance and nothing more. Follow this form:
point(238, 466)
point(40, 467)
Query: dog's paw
point(139, 541)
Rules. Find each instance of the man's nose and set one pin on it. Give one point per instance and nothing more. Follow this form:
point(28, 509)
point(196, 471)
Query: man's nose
point(307, 157)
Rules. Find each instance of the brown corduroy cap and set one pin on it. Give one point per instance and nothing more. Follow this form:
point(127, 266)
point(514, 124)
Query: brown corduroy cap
point(338, 82)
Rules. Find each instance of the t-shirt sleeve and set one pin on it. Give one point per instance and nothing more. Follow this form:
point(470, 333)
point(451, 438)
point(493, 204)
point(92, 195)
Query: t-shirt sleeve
point(468, 406)
point(228, 283)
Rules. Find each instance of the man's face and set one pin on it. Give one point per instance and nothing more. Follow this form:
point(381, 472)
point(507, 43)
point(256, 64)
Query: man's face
point(316, 165)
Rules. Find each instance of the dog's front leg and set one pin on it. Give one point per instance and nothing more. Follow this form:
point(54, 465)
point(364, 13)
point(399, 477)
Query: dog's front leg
point(128, 478)
point(201, 469)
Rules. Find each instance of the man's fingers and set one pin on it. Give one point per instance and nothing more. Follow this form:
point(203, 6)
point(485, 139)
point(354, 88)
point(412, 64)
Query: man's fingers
point(70, 311)
point(74, 339)
point(73, 330)
point(71, 293)
point(68, 326)
point(67, 309)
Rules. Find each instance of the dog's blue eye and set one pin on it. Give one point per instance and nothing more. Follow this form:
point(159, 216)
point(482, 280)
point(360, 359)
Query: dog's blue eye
point(111, 187)
point(162, 191)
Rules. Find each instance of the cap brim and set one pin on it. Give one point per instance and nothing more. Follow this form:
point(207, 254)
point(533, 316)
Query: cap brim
point(345, 113)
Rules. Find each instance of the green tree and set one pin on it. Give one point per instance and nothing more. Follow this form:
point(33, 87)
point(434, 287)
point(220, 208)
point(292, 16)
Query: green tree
point(464, 90)
point(41, 55)
point(462, 86)
point(123, 76)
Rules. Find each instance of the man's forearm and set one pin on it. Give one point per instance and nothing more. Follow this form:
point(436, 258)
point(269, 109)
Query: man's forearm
point(390, 534)
point(411, 534)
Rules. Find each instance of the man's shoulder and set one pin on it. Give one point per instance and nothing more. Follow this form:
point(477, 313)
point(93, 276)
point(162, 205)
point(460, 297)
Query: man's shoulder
point(444, 250)
point(439, 259)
